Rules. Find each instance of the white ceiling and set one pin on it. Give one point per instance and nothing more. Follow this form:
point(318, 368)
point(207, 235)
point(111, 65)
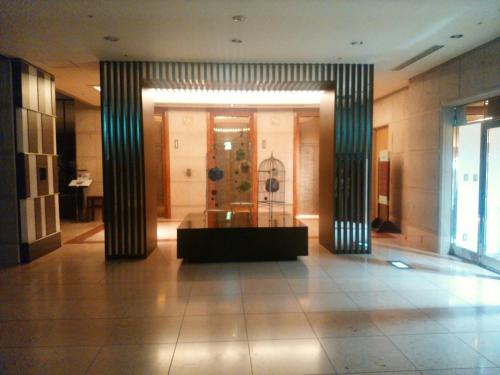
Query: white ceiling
point(66, 37)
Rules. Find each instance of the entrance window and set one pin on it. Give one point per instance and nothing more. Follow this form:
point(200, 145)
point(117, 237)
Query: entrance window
point(476, 171)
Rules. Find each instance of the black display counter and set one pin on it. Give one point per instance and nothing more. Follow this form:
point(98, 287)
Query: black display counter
point(234, 237)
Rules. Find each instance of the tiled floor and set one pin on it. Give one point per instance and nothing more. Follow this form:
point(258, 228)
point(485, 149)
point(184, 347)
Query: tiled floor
point(72, 313)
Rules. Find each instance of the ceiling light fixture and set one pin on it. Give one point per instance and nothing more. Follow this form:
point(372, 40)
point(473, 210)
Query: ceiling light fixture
point(456, 36)
point(111, 38)
point(239, 18)
point(237, 97)
point(236, 41)
point(356, 42)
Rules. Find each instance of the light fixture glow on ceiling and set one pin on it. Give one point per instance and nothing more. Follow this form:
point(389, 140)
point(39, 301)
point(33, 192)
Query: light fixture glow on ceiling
point(231, 130)
point(399, 264)
point(237, 97)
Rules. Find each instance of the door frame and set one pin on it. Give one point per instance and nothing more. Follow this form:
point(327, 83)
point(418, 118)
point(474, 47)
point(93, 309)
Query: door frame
point(483, 258)
point(297, 114)
point(478, 257)
point(250, 113)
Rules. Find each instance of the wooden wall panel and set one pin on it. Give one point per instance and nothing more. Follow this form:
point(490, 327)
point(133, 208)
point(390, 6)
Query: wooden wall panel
point(36, 167)
point(123, 139)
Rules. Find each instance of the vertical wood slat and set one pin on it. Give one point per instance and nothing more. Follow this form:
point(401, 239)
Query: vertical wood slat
point(123, 148)
point(123, 159)
point(354, 106)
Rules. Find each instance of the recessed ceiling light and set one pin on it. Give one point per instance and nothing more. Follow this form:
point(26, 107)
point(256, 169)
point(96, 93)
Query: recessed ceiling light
point(111, 38)
point(356, 43)
point(236, 41)
point(456, 36)
point(239, 18)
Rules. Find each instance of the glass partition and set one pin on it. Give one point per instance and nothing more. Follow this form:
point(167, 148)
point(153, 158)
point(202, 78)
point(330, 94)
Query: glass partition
point(476, 188)
point(492, 217)
point(231, 164)
point(466, 170)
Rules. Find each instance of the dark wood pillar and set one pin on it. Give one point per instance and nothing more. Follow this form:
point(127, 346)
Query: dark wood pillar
point(128, 218)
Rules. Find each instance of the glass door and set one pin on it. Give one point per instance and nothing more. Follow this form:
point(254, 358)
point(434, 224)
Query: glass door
point(466, 171)
point(491, 256)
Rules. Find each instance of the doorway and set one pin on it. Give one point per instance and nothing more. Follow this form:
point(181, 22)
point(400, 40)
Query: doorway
point(380, 143)
point(476, 188)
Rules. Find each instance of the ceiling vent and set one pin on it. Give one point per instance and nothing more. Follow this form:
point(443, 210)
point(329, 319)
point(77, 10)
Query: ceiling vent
point(420, 56)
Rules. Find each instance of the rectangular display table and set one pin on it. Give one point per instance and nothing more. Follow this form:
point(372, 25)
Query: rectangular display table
point(234, 237)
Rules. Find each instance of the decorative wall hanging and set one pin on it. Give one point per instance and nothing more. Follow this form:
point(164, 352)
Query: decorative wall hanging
point(215, 174)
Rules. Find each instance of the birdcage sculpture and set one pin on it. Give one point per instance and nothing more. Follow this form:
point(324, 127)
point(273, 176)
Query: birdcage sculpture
point(271, 197)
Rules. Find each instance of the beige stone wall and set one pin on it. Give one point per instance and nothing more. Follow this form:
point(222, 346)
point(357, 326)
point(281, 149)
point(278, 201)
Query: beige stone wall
point(188, 150)
point(415, 118)
point(275, 134)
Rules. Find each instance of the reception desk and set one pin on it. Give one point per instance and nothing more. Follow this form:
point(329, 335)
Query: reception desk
point(220, 236)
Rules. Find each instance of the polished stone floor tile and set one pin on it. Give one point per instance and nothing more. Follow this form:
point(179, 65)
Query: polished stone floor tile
point(133, 359)
point(363, 283)
point(303, 272)
point(430, 299)
point(199, 328)
point(405, 322)
point(306, 285)
point(386, 300)
point(365, 354)
point(78, 332)
point(486, 343)
point(343, 324)
point(439, 351)
point(217, 287)
point(145, 331)
point(289, 357)
point(465, 319)
point(50, 360)
point(213, 358)
point(261, 270)
point(317, 302)
point(220, 304)
point(278, 326)
point(265, 286)
point(270, 303)
point(157, 307)
point(71, 311)
point(471, 371)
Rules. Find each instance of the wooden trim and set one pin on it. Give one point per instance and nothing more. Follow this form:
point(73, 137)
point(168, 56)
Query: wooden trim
point(297, 114)
point(167, 203)
point(254, 147)
point(296, 161)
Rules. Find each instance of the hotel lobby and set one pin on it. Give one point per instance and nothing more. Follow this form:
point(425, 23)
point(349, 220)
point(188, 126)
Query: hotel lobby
point(264, 187)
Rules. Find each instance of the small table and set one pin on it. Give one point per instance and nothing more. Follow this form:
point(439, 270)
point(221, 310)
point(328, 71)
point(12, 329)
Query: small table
point(93, 202)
